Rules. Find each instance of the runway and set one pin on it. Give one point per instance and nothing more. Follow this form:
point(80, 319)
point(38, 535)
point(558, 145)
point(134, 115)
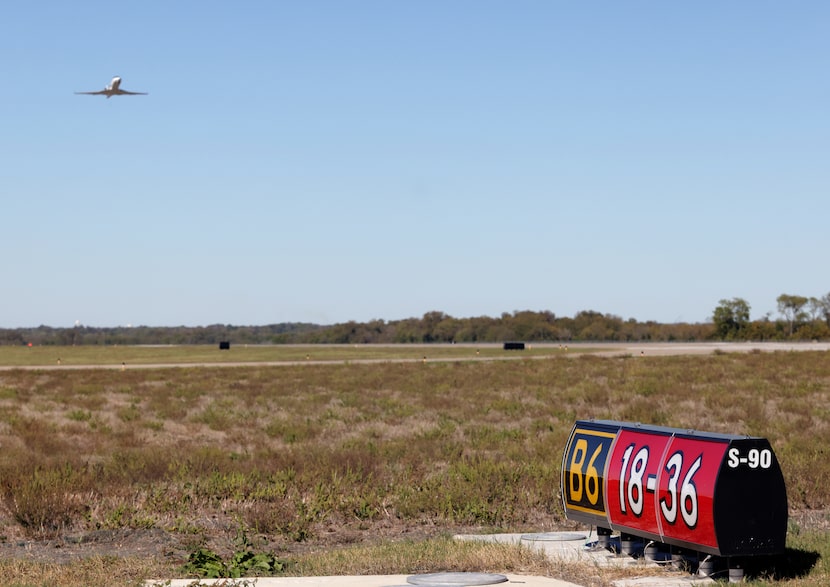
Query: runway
point(566, 349)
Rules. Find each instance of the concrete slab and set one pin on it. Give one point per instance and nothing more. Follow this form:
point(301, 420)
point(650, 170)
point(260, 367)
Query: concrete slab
point(578, 548)
point(575, 546)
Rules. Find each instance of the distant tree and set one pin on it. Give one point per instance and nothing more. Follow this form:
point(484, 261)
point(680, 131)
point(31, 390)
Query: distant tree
point(814, 309)
point(533, 326)
point(429, 324)
point(588, 325)
point(731, 318)
point(813, 330)
point(407, 331)
point(791, 307)
point(762, 329)
point(446, 330)
point(476, 329)
point(819, 309)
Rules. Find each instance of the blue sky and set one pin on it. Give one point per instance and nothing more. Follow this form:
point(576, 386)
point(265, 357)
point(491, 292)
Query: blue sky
point(326, 161)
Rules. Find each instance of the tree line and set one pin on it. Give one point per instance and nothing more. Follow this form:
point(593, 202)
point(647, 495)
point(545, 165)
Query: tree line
point(800, 318)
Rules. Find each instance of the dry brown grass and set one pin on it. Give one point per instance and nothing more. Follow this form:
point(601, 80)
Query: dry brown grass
point(320, 456)
point(445, 554)
point(93, 570)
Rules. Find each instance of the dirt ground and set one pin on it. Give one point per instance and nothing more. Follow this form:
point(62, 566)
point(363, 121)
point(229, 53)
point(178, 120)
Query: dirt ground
point(174, 548)
point(104, 543)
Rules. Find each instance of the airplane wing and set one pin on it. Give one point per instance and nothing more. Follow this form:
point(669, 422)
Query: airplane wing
point(113, 89)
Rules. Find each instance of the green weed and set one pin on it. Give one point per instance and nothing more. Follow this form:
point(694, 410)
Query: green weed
point(205, 563)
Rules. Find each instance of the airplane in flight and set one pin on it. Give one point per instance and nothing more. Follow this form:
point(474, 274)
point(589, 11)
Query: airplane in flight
point(113, 89)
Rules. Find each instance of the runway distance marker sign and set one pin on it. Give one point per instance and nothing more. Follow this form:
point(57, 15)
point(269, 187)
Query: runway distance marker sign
point(721, 494)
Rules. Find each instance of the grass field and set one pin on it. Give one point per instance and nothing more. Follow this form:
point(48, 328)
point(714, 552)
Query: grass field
point(313, 460)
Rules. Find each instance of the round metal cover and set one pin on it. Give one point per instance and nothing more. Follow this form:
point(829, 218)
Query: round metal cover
point(554, 537)
point(456, 579)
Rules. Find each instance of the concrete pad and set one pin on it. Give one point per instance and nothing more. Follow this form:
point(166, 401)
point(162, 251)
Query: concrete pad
point(575, 550)
point(575, 546)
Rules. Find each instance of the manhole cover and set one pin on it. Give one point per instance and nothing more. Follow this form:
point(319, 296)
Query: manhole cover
point(554, 537)
point(456, 579)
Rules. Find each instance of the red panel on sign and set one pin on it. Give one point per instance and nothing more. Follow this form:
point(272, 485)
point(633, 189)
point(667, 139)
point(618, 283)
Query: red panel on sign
point(687, 487)
point(633, 473)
